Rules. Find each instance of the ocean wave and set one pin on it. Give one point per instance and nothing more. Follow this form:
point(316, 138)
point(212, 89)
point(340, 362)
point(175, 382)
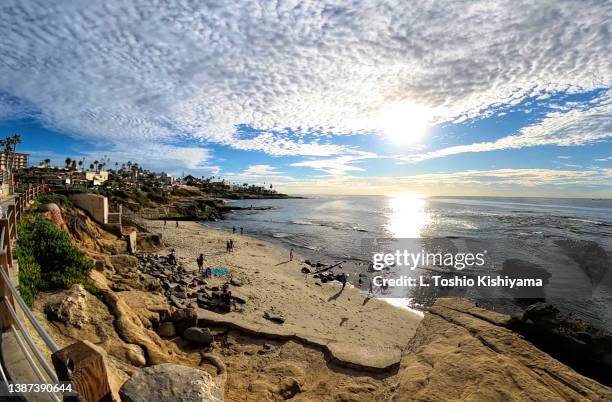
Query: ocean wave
point(280, 235)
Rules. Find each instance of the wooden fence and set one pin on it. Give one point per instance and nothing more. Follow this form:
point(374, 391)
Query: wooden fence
point(80, 363)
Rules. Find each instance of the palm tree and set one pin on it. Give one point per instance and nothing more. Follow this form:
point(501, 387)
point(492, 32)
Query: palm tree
point(10, 148)
point(47, 162)
point(91, 166)
point(80, 164)
point(68, 161)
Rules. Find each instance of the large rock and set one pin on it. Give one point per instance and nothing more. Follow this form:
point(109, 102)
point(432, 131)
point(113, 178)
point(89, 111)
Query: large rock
point(124, 263)
point(184, 318)
point(461, 352)
point(150, 242)
point(171, 383)
point(166, 330)
point(585, 347)
point(198, 335)
point(70, 309)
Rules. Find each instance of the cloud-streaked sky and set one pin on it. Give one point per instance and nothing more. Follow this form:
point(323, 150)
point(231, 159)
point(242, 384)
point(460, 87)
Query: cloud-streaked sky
point(508, 97)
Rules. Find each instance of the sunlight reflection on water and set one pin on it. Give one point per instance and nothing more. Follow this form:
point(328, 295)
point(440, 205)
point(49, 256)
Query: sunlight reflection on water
point(407, 217)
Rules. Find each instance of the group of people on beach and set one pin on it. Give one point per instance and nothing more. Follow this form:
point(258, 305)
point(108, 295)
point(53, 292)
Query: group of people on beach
point(234, 230)
point(166, 223)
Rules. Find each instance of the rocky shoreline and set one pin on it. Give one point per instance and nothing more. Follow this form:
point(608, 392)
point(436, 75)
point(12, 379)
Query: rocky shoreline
point(292, 336)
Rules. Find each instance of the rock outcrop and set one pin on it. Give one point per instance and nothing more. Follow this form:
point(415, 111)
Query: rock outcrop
point(171, 382)
point(462, 352)
point(69, 308)
point(583, 346)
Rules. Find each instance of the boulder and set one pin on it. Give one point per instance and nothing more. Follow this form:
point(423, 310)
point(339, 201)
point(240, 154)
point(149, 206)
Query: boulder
point(124, 262)
point(135, 355)
point(149, 242)
point(99, 265)
point(184, 318)
point(274, 316)
point(198, 335)
point(70, 309)
point(170, 383)
point(166, 330)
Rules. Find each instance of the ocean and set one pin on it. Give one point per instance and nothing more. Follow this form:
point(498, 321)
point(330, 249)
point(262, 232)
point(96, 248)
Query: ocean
point(342, 228)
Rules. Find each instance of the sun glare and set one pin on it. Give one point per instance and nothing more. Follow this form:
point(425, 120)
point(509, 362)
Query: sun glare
point(407, 215)
point(404, 123)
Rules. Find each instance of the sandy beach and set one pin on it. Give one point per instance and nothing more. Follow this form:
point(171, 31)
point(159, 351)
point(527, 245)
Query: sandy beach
point(270, 282)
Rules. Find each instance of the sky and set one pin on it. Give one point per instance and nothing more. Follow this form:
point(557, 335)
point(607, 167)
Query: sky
point(509, 98)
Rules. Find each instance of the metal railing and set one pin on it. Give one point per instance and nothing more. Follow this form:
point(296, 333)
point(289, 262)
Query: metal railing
point(11, 320)
point(80, 363)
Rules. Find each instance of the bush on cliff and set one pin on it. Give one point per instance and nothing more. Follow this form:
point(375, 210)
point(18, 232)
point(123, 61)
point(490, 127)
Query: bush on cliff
point(55, 198)
point(29, 277)
point(60, 263)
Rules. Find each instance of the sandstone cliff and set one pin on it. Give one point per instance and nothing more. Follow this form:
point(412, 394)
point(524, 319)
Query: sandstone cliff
point(464, 353)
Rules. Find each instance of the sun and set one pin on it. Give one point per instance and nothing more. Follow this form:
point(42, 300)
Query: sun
point(404, 123)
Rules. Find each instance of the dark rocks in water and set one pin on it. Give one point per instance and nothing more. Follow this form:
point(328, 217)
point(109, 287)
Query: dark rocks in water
point(274, 317)
point(305, 270)
point(319, 264)
point(516, 268)
point(198, 335)
point(308, 262)
point(577, 343)
point(519, 269)
point(590, 256)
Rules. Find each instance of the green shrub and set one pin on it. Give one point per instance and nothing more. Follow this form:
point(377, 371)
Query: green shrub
point(29, 277)
point(59, 199)
point(61, 263)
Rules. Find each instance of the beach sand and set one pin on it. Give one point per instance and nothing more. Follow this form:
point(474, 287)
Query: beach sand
point(270, 282)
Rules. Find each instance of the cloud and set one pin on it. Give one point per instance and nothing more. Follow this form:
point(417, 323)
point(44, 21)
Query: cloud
point(259, 174)
point(141, 71)
point(261, 170)
point(578, 126)
point(336, 166)
point(609, 158)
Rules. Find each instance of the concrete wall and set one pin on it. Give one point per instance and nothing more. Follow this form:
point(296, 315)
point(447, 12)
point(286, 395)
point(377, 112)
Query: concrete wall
point(96, 205)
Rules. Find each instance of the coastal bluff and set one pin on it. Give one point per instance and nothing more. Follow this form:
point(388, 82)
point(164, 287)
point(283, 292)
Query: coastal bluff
point(463, 352)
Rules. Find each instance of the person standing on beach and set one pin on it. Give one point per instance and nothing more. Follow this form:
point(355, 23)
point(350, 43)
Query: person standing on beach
point(165, 222)
point(291, 255)
point(200, 262)
point(177, 225)
point(231, 246)
point(241, 230)
point(343, 279)
point(233, 229)
point(227, 246)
